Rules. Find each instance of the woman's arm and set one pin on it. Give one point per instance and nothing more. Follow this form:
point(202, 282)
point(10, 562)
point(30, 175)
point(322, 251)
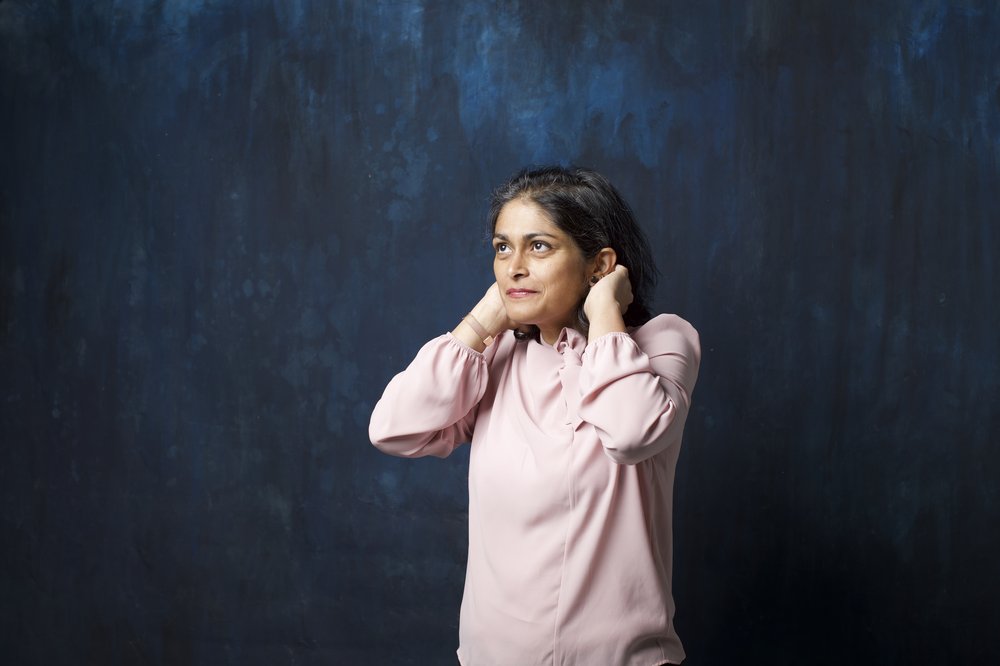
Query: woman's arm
point(489, 317)
point(606, 302)
point(429, 408)
point(636, 389)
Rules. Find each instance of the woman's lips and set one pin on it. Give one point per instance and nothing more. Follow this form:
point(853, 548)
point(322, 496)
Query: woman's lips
point(520, 293)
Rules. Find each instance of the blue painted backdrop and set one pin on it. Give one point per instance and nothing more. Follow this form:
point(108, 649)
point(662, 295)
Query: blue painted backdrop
point(225, 224)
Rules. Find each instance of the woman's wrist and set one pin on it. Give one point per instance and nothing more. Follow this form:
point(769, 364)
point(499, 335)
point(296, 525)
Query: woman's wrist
point(484, 322)
point(468, 336)
point(489, 317)
point(484, 335)
point(604, 318)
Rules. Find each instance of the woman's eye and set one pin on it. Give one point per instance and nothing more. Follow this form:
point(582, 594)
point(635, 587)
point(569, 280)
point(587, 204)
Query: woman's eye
point(539, 246)
point(501, 247)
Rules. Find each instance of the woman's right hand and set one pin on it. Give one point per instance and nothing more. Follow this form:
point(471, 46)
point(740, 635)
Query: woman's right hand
point(491, 314)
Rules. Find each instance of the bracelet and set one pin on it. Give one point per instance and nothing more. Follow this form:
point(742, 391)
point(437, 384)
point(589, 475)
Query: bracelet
point(478, 328)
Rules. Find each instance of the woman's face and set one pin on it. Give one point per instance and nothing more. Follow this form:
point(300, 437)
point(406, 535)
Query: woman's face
point(541, 272)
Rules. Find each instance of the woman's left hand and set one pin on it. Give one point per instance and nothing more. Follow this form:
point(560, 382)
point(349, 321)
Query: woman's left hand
point(614, 290)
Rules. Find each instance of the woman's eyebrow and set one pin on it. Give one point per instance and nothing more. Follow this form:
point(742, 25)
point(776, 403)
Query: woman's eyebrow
point(527, 236)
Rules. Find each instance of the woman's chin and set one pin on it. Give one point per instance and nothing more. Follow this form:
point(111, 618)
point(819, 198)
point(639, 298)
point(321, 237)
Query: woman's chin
point(522, 316)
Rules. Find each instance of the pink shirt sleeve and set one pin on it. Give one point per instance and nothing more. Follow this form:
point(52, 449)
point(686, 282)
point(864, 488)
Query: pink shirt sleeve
point(636, 389)
point(429, 408)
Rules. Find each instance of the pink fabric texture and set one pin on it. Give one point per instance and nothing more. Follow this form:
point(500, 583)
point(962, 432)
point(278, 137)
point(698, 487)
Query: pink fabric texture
point(571, 478)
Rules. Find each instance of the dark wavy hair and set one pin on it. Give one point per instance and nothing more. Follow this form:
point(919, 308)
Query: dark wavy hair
point(593, 213)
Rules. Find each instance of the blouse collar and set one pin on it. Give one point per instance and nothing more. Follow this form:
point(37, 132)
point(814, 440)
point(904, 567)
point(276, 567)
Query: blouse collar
point(569, 339)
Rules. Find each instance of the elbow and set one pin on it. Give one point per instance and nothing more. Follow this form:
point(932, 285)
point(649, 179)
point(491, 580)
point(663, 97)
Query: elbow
point(378, 430)
point(379, 439)
point(377, 433)
point(388, 434)
point(631, 452)
point(632, 446)
point(628, 456)
point(383, 437)
point(379, 443)
point(404, 445)
point(627, 448)
point(400, 449)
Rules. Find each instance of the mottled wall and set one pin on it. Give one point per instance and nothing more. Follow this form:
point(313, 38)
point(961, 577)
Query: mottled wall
point(225, 224)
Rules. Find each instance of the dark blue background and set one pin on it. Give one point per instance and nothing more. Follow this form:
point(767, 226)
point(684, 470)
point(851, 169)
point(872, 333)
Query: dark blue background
point(225, 224)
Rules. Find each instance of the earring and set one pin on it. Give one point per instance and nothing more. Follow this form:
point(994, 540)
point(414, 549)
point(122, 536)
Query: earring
point(594, 279)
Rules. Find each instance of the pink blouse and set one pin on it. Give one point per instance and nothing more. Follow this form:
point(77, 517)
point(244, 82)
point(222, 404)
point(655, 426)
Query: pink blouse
point(571, 478)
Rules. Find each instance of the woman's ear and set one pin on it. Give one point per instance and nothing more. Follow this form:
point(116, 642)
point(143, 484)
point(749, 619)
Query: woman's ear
point(605, 261)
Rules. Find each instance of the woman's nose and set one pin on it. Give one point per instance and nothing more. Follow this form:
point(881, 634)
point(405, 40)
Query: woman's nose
point(516, 267)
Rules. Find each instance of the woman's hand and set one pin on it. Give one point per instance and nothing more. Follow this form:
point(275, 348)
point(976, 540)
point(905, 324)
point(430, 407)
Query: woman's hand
point(491, 314)
point(607, 302)
point(614, 290)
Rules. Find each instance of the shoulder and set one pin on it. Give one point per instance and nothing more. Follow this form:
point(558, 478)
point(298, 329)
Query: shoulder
point(666, 334)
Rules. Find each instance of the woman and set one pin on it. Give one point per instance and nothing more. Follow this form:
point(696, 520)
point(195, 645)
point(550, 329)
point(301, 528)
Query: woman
point(574, 400)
